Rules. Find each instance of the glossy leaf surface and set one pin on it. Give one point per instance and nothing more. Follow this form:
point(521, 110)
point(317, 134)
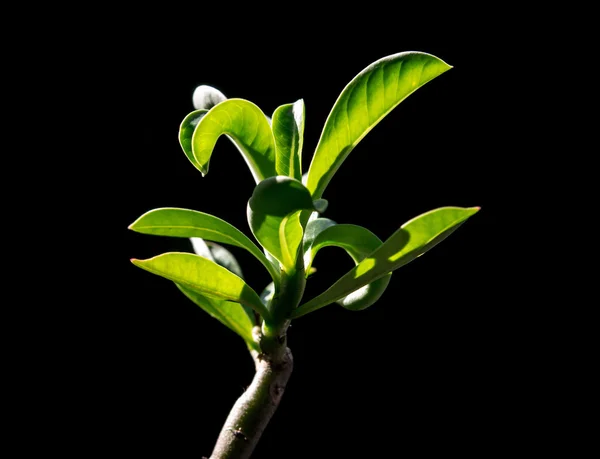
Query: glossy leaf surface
point(274, 217)
point(412, 240)
point(363, 103)
point(171, 221)
point(204, 276)
point(247, 125)
point(358, 242)
point(230, 314)
point(288, 131)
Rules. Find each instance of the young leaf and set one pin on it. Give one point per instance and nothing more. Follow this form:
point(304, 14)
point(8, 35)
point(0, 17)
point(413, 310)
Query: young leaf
point(358, 242)
point(247, 125)
point(313, 229)
point(176, 222)
point(288, 131)
point(186, 130)
point(206, 97)
point(204, 276)
point(230, 314)
point(223, 257)
point(363, 103)
point(267, 294)
point(201, 248)
point(413, 239)
point(274, 217)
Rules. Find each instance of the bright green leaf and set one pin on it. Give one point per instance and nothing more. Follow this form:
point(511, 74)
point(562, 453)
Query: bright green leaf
point(288, 131)
point(274, 217)
point(223, 257)
point(363, 103)
point(413, 239)
point(191, 223)
point(206, 97)
point(358, 242)
point(230, 314)
point(204, 276)
point(247, 125)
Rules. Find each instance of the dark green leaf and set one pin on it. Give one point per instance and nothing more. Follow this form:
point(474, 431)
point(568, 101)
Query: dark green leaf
point(186, 130)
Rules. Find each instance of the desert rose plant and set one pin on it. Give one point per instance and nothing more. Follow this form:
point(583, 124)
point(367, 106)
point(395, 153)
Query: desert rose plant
point(285, 216)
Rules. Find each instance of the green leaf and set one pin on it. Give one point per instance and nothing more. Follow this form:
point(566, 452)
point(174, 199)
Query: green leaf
point(247, 125)
point(186, 130)
point(204, 276)
point(313, 229)
point(201, 248)
point(267, 294)
point(230, 314)
point(217, 253)
point(223, 257)
point(274, 217)
point(288, 131)
point(358, 242)
point(413, 239)
point(363, 103)
point(206, 97)
point(187, 223)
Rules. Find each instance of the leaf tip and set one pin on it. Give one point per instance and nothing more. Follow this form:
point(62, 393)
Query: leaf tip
point(320, 205)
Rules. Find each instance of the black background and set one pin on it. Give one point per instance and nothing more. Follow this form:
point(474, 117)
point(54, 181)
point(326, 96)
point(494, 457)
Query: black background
point(435, 366)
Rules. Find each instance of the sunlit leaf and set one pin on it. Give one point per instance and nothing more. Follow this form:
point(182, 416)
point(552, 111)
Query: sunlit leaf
point(273, 215)
point(204, 276)
point(363, 103)
point(187, 223)
point(288, 131)
point(223, 257)
point(247, 125)
point(228, 313)
point(358, 242)
point(412, 240)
